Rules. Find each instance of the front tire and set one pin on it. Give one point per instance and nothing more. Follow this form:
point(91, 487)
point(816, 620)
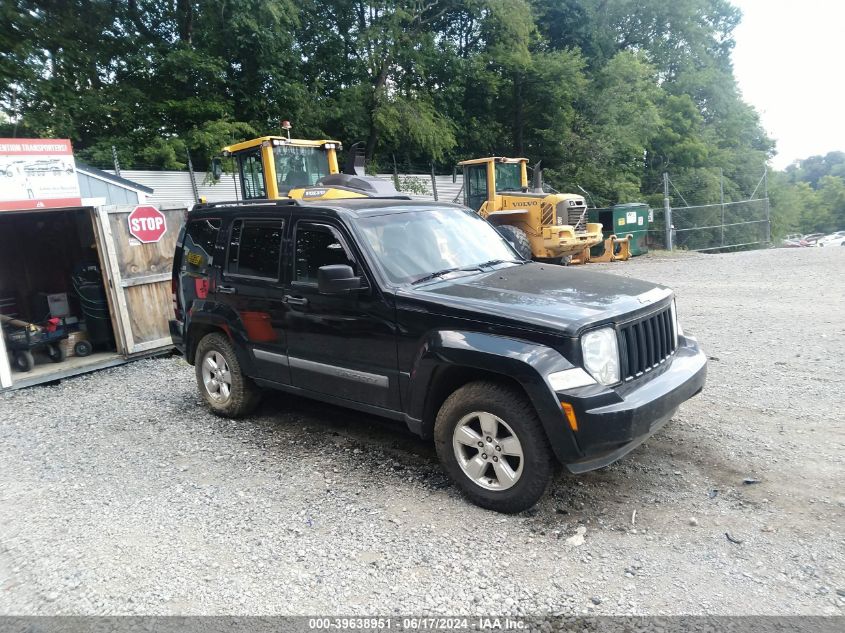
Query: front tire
point(491, 442)
point(224, 387)
point(24, 361)
point(518, 239)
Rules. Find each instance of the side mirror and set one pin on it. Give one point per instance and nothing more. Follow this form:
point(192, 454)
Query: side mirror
point(336, 279)
point(216, 169)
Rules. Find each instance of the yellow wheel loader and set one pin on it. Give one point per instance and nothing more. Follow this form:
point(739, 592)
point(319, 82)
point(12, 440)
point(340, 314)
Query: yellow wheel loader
point(282, 167)
point(545, 226)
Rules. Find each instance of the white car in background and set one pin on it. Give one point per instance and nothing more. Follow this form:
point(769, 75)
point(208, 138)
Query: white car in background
point(834, 239)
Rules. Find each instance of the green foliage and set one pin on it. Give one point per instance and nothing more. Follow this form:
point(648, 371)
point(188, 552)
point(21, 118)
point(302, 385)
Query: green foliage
point(411, 184)
point(608, 94)
point(809, 196)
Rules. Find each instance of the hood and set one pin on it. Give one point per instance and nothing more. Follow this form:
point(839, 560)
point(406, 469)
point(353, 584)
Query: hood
point(561, 299)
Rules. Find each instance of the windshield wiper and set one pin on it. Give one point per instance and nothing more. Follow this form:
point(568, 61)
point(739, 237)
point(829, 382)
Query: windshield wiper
point(446, 271)
point(479, 267)
point(494, 262)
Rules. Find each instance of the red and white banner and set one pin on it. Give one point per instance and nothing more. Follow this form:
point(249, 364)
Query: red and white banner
point(37, 174)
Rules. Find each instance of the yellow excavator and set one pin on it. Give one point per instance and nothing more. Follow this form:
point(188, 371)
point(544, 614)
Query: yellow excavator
point(282, 167)
point(545, 226)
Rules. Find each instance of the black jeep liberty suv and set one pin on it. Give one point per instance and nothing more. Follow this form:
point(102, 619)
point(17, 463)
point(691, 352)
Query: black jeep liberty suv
point(422, 313)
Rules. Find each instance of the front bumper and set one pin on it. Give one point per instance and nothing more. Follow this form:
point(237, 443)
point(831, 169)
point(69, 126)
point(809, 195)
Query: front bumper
point(613, 422)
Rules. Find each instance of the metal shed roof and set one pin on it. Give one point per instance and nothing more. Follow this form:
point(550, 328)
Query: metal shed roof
point(111, 178)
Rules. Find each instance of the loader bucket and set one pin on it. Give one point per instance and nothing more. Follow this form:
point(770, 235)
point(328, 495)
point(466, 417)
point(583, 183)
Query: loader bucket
point(582, 257)
point(616, 249)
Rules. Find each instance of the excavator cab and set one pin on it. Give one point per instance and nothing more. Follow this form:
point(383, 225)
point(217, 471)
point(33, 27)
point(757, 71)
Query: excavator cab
point(278, 167)
point(273, 166)
point(540, 225)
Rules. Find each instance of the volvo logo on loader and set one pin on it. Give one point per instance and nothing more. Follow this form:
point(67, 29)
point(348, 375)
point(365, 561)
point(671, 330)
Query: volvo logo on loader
point(147, 224)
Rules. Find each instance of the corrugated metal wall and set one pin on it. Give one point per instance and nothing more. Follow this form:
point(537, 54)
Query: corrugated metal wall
point(173, 188)
point(447, 191)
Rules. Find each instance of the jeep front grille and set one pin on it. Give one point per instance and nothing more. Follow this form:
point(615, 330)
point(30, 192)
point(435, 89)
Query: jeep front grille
point(645, 344)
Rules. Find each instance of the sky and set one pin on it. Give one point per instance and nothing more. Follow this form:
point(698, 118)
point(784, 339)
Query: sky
point(788, 61)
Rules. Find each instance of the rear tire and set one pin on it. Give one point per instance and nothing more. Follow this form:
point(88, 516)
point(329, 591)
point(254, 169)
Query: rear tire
point(24, 361)
point(83, 348)
point(517, 238)
point(221, 381)
point(512, 468)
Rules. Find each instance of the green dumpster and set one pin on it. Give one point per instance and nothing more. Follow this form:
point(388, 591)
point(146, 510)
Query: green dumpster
point(622, 219)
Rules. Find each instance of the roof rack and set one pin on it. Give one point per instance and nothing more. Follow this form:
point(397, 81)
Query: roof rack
point(281, 202)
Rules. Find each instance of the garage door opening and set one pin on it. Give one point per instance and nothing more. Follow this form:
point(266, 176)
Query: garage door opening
point(54, 311)
point(79, 291)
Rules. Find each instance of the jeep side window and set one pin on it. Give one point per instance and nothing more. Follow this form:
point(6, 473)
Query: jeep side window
point(254, 248)
point(317, 245)
point(200, 239)
point(252, 174)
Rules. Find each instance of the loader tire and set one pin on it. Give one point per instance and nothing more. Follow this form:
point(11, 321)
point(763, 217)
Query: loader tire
point(518, 239)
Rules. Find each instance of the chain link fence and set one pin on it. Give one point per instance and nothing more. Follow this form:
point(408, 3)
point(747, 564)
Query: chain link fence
point(726, 225)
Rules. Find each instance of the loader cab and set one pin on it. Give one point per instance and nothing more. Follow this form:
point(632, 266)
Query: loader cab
point(484, 178)
point(272, 166)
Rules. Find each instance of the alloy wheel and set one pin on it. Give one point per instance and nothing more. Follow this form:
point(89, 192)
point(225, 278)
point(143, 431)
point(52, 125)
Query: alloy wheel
point(488, 451)
point(216, 376)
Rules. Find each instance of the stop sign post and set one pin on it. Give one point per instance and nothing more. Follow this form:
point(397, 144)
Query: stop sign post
point(147, 224)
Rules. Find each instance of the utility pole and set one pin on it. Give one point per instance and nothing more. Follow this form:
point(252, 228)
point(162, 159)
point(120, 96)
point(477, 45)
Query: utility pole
point(434, 183)
point(667, 211)
point(193, 180)
point(116, 162)
point(766, 203)
point(722, 198)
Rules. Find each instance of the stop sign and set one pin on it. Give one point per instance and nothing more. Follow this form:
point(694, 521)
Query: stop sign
point(147, 224)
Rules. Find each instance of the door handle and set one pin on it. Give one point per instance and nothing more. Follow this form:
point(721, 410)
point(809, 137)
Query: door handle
point(295, 301)
point(226, 290)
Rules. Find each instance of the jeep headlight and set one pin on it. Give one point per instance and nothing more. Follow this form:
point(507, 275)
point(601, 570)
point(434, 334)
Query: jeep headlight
point(676, 325)
point(601, 355)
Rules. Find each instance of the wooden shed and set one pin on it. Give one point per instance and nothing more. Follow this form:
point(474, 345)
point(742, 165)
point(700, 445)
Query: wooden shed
point(83, 266)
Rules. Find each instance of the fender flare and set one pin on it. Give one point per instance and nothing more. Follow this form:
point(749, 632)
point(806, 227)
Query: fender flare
point(526, 362)
point(221, 318)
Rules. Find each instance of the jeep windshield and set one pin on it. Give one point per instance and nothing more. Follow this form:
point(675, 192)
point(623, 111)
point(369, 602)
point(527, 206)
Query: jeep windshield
point(419, 246)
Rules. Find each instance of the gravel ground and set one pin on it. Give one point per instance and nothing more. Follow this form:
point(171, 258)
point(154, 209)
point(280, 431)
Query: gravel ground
point(120, 494)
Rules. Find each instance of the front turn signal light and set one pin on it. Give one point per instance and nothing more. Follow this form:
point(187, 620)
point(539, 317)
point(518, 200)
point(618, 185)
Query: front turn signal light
point(569, 412)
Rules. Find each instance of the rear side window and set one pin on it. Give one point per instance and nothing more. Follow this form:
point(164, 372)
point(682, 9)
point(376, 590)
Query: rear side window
point(200, 240)
point(254, 248)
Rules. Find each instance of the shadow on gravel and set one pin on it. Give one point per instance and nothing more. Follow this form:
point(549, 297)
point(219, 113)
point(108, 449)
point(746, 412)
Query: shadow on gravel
point(284, 409)
point(387, 447)
point(658, 472)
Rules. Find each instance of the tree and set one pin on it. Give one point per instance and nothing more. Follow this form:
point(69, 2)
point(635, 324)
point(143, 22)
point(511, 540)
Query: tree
point(608, 94)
